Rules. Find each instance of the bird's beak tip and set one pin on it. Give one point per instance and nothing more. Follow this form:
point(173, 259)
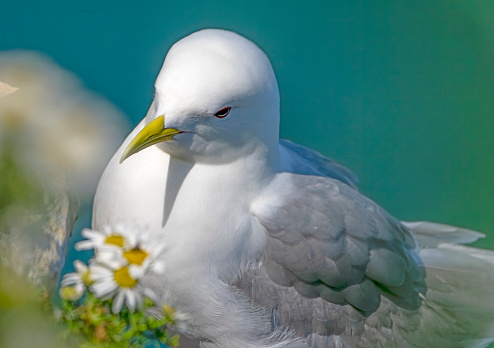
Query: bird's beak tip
point(153, 133)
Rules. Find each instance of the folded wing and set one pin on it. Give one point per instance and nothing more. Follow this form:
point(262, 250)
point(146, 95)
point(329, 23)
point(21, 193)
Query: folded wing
point(326, 240)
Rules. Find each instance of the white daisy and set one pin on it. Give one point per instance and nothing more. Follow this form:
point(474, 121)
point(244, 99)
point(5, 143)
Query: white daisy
point(130, 245)
point(120, 283)
point(107, 238)
point(144, 252)
point(74, 284)
point(123, 255)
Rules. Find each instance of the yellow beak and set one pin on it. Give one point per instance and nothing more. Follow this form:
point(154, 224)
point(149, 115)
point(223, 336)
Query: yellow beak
point(154, 133)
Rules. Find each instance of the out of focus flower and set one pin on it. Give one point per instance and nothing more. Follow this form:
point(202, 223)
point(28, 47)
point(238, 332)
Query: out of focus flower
point(120, 282)
point(124, 254)
point(108, 237)
point(125, 245)
point(74, 284)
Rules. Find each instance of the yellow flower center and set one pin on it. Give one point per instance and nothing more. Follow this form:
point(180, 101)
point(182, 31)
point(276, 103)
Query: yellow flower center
point(86, 278)
point(168, 311)
point(135, 256)
point(70, 293)
point(123, 279)
point(115, 240)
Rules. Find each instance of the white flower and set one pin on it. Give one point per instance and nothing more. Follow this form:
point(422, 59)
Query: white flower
point(123, 256)
point(125, 245)
point(120, 283)
point(144, 251)
point(107, 238)
point(74, 284)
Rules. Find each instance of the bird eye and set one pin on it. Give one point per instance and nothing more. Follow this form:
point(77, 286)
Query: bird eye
point(223, 112)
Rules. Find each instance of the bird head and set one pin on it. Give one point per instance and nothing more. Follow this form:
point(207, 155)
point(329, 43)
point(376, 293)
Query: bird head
point(216, 99)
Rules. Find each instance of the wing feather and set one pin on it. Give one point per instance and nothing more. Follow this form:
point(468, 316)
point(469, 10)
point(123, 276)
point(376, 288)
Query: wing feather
point(296, 158)
point(326, 240)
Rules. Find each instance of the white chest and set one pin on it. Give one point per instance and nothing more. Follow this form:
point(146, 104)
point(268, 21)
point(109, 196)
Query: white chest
point(202, 213)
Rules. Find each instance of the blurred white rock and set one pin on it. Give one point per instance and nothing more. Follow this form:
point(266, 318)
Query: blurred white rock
point(53, 123)
point(55, 139)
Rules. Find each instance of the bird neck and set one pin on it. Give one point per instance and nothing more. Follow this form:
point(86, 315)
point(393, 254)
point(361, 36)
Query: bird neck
point(249, 172)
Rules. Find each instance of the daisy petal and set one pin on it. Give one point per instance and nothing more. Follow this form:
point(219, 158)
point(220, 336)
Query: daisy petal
point(136, 272)
point(84, 245)
point(90, 234)
point(70, 278)
point(118, 302)
point(131, 299)
point(97, 272)
point(103, 288)
point(150, 294)
point(80, 266)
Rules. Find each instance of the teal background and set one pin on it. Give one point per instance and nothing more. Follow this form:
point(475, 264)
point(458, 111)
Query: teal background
point(401, 92)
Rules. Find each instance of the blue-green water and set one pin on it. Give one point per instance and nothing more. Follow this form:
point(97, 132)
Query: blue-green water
point(401, 92)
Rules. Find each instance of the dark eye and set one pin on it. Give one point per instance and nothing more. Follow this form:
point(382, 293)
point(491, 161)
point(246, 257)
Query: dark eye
point(223, 112)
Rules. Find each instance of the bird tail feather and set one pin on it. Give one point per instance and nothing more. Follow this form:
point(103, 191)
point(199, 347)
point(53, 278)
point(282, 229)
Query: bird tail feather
point(458, 308)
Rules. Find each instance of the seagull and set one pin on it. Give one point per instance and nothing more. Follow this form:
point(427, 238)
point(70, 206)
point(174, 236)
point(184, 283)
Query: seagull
point(270, 244)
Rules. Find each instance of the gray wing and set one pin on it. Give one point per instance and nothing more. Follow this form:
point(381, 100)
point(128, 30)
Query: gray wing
point(333, 255)
point(298, 159)
point(326, 240)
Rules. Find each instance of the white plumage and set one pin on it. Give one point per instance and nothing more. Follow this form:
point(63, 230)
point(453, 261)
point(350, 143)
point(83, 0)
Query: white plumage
point(269, 243)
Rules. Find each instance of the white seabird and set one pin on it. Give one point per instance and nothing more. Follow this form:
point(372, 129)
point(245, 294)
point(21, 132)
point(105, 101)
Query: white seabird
point(270, 243)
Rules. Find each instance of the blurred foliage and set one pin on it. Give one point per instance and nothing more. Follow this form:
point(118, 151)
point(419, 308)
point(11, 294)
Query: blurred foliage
point(25, 321)
point(106, 301)
point(18, 188)
point(91, 318)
